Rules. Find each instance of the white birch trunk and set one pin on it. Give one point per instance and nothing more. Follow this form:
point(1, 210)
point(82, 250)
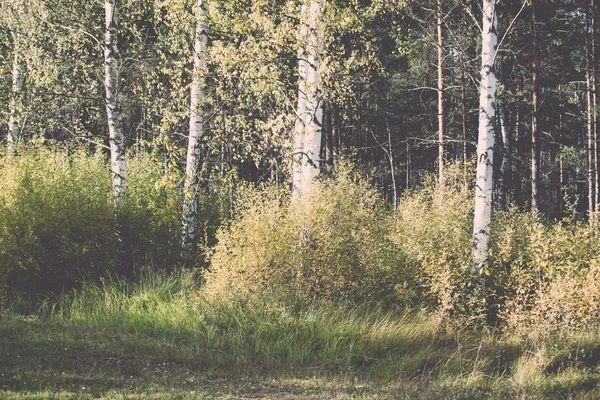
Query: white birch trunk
point(485, 143)
point(310, 105)
point(196, 131)
point(16, 101)
point(299, 129)
point(111, 84)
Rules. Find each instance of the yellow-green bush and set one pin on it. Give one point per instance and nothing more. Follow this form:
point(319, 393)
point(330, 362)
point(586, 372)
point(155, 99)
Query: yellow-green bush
point(58, 221)
point(557, 285)
point(332, 244)
point(433, 226)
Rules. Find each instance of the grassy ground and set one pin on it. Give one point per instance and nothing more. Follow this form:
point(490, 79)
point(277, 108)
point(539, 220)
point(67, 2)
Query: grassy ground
point(158, 340)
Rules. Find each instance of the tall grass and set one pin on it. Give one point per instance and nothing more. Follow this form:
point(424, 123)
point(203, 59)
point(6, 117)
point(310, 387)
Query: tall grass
point(171, 308)
point(168, 318)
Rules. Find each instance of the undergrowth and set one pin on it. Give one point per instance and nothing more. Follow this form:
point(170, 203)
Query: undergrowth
point(166, 320)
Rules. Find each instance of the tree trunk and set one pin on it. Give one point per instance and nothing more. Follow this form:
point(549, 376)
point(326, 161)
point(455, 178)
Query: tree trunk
point(16, 102)
point(535, 132)
point(111, 83)
point(594, 83)
point(196, 131)
point(117, 143)
point(590, 136)
point(299, 160)
point(505, 166)
point(517, 162)
point(485, 143)
point(441, 89)
point(307, 140)
point(463, 104)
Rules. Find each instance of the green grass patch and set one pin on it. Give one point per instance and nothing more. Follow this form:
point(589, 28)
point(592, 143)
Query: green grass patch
point(160, 338)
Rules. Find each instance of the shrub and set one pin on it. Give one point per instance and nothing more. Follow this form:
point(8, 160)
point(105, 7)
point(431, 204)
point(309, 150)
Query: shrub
point(331, 244)
point(556, 288)
point(57, 217)
point(433, 226)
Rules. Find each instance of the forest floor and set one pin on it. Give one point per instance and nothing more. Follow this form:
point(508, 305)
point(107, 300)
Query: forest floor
point(49, 359)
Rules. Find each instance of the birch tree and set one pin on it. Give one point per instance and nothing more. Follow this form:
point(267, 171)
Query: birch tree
point(196, 131)
point(485, 143)
point(12, 17)
point(111, 84)
point(16, 100)
point(308, 128)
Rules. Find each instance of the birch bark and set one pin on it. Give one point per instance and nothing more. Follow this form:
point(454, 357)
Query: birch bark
point(196, 131)
point(308, 130)
point(485, 143)
point(16, 101)
point(111, 84)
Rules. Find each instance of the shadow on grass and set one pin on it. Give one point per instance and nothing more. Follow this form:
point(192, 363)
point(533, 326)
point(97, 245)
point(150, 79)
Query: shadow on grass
point(52, 359)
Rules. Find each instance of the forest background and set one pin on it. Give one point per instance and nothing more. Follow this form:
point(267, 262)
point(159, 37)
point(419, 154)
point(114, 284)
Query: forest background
point(308, 152)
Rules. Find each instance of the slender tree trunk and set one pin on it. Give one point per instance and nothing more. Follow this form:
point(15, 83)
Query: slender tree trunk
point(505, 166)
point(16, 101)
point(111, 83)
point(594, 87)
point(196, 131)
point(535, 132)
point(407, 165)
point(590, 137)
point(117, 143)
point(441, 90)
point(299, 157)
point(328, 123)
point(485, 143)
point(390, 153)
point(518, 164)
point(308, 131)
point(335, 129)
point(463, 104)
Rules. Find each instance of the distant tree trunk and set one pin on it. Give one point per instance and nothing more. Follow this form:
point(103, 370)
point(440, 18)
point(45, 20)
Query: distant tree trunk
point(390, 154)
point(16, 102)
point(590, 137)
point(111, 83)
point(196, 131)
point(485, 143)
point(535, 132)
point(335, 129)
point(441, 89)
point(307, 141)
point(517, 164)
point(463, 104)
point(594, 88)
point(407, 165)
point(504, 178)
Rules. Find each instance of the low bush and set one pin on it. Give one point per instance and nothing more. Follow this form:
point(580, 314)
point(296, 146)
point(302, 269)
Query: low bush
point(58, 221)
point(331, 244)
point(433, 226)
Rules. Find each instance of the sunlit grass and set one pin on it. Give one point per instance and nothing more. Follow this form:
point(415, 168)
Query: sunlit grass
point(161, 338)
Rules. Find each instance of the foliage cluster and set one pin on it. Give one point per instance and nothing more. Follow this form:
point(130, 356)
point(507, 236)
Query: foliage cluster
point(341, 243)
point(58, 220)
point(332, 244)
